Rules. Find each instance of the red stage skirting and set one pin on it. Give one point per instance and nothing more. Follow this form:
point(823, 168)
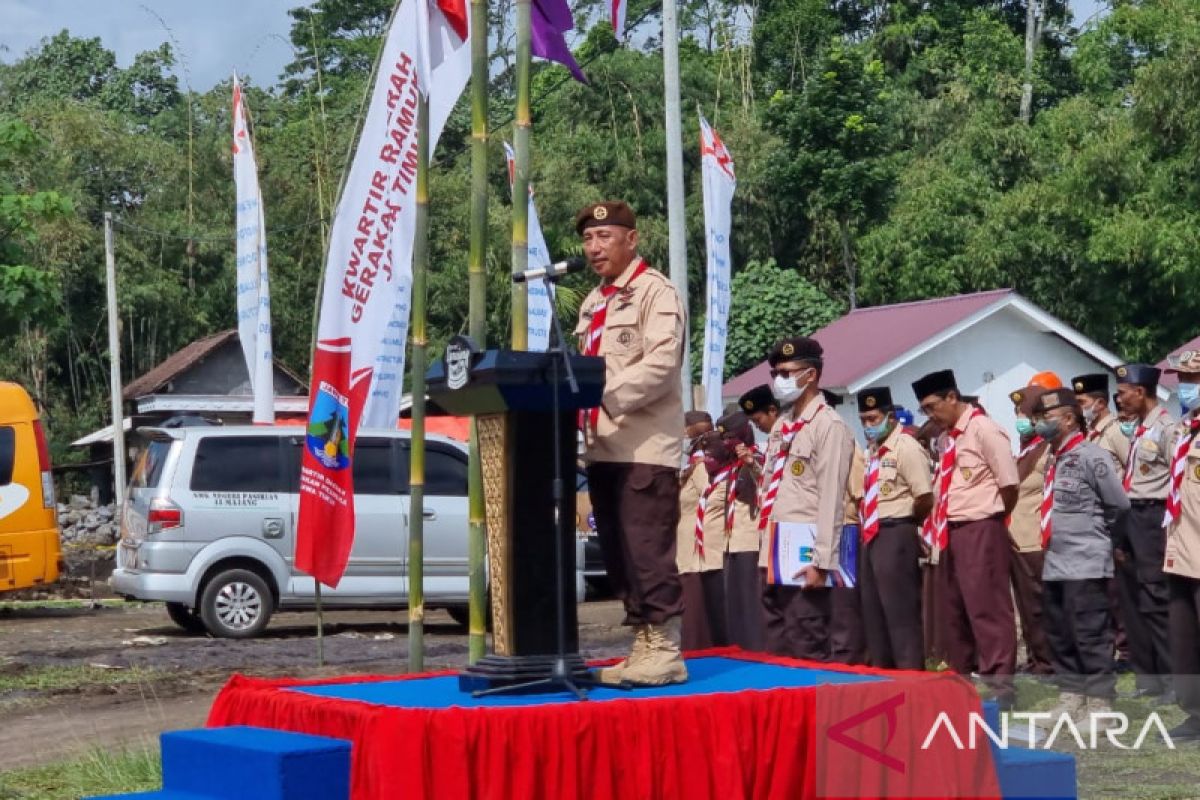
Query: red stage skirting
point(775, 743)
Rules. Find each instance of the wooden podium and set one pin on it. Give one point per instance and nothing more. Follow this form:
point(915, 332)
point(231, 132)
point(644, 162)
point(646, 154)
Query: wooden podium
point(512, 394)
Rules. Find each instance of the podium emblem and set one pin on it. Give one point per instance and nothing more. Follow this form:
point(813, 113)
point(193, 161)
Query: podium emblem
point(458, 362)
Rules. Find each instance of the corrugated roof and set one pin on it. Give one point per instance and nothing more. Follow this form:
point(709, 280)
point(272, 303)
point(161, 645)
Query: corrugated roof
point(868, 338)
point(176, 363)
point(1170, 381)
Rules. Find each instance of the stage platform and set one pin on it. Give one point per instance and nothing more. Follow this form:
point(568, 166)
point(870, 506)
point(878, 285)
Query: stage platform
point(744, 726)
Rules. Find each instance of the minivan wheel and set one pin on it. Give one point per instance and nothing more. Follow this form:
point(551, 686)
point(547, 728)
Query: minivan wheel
point(236, 604)
point(185, 618)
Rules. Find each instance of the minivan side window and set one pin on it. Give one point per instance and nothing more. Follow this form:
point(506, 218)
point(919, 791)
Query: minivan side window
point(377, 468)
point(445, 472)
point(238, 464)
point(8, 453)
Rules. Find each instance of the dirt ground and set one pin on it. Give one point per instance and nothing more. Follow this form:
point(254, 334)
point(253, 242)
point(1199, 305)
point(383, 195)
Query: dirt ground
point(161, 685)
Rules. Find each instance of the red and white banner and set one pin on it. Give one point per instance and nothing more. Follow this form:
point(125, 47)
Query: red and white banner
point(618, 18)
point(358, 365)
point(719, 184)
point(253, 288)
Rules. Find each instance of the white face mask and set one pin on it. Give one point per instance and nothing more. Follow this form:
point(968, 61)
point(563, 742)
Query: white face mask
point(1089, 415)
point(787, 390)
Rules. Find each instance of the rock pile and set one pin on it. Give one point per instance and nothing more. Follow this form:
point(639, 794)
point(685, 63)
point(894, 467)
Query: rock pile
point(89, 533)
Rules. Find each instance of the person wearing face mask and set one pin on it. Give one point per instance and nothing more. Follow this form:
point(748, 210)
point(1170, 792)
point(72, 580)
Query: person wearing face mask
point(634, 320)
point(1104, 428)
point(743, 585)
point(1025, 565)
point(1082, 494)
point(975, 489)
point(1182, 557)
point(698, 553)
point(1141, 541)
point(804, 485)
point(897, 496)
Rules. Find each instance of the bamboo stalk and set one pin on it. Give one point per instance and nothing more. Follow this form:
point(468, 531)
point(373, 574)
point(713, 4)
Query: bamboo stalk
point(420, 344)
point(477, 327)
point(520, 184)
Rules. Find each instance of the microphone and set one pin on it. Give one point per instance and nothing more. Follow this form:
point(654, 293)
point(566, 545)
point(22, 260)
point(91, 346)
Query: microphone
point(552, 272)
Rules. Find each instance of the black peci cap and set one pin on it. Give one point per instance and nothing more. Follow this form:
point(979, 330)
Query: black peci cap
point(941, 381)
point(760, 398)
point(877, 398)
point(799, 348)
point(1093, 383)
point(1138, 375)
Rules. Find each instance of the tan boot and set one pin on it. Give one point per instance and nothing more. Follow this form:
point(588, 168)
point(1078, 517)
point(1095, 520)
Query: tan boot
point(641, 643)
point(662, 663)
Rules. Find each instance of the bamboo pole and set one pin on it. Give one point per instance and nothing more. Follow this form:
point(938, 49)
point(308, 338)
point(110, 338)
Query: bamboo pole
point(520, 184)
point(477, 328)
point(420, 344)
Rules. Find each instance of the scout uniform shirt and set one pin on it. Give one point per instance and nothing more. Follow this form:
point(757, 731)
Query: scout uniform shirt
point(904, 475)
point(1183, 537)
point(1152, 457)
point(813, 485)
point(1025, 525)
point(744, 538)
point(687, 554)
point(983, 465)
point(1107, 434)
point(1087, 492)
point(642, 346)
point(854, 487)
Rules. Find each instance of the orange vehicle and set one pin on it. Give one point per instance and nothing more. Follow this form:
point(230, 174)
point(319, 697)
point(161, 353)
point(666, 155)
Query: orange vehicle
point(29, 549)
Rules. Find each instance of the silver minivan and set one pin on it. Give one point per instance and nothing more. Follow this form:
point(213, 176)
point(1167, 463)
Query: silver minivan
point(210, 517)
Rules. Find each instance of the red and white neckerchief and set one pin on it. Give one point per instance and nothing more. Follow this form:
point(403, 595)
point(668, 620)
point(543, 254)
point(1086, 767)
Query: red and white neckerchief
point(1131, 463)
point(591, 341)
point(730, 495)
point(702, 506)
point(786, 434)
point(870, 501)
point(1048, 485)
point(941, 511)
point(1030, 447)
point(1178, 467)
point(1094, 432)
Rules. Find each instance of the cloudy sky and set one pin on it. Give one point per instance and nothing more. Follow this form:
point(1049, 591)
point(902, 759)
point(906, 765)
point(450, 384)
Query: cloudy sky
point(213, 36)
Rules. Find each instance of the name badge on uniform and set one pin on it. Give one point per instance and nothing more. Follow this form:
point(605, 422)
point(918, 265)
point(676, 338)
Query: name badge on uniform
point(888, 463)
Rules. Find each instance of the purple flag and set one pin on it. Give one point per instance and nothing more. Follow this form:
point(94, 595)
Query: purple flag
point(551, 20)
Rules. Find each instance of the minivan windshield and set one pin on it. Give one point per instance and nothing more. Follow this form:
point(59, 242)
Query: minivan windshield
point(149, 467)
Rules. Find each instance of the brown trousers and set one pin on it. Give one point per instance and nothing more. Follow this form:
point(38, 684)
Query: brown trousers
point(889, 582)
point(743, 600)
point(1184, 609)
point(636, 507)
point(979, 627)
point(703, 610)
point(1025, 570)
point(797, 621)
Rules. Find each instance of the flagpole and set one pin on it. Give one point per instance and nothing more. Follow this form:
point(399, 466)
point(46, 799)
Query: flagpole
point(676, 234)
point(420, 344)
point(477, 328)
point(520, 184)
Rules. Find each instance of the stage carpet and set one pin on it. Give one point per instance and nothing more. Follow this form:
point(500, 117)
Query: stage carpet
point(744, 726)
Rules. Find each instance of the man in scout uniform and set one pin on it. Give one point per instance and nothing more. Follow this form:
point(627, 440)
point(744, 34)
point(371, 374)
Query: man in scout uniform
point(1182, 560)
point(1024, 529)
point(976, 488)
point(698, 550)
point(1081, 493)
point(897, 496)
point(634, 320)
point(743, 584)
point(760, 405)
point(804, 485)
point(1140, 542)
point(847, 640)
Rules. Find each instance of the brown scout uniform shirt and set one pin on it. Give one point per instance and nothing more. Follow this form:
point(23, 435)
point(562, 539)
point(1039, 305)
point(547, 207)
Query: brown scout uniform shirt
point(984, 464)
point(813, 486)
point(854, 487)
point(687, 556)
point(904, 475)
point(1152, 465)
point(1025, 526)
point(1183, 537)
point(1111, 440)
point(642, 346)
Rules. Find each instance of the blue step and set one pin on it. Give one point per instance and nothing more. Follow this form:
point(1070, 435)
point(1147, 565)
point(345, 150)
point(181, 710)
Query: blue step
point(161, 794)
point(1026, 774)
point(244, 763)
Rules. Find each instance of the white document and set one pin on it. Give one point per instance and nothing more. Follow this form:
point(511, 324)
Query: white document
point(792, 549)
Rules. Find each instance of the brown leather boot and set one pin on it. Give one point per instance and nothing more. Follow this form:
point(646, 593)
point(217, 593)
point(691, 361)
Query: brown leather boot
point(662, 662)
point(614, 673)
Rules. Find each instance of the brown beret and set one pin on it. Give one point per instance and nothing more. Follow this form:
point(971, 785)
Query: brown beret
point(799, 348)
point(610, 212)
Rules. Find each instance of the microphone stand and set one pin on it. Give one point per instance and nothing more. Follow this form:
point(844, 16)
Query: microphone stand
point(561, 676)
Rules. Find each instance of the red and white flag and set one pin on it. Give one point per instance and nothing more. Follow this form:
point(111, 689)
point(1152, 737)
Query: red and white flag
point(253, 288)
point(358, 365)
point(618, 18)
point(719, 184)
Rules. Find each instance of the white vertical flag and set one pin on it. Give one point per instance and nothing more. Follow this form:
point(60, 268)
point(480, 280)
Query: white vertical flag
point(539, 305)
point(617, 9)
point(719, 184)
point(253, 289)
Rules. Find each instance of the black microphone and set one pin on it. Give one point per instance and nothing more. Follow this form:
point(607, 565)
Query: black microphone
point(552, 272)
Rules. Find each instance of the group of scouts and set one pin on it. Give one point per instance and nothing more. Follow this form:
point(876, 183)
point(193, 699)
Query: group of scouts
point(947, 517)
point(914, 548)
